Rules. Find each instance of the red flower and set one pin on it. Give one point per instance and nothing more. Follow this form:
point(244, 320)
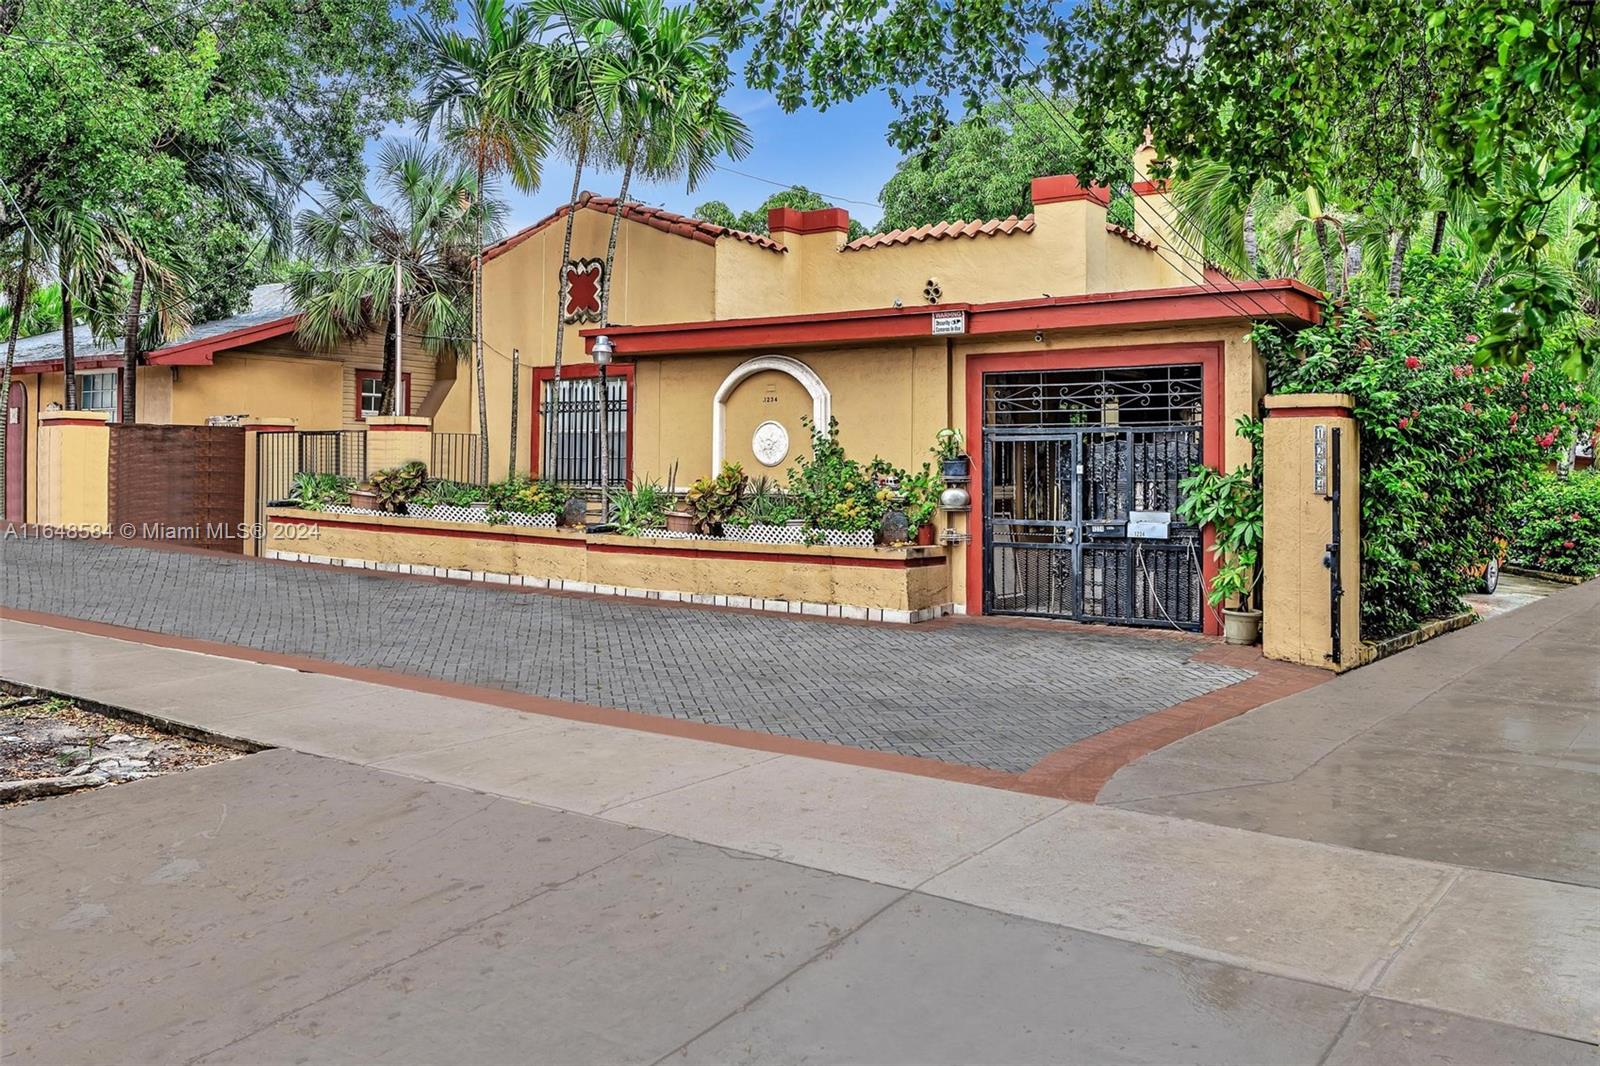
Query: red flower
point(1412, 362)
point(1404, 422)
point(1513, 420)
point(1548, 439)
point(1467, 407)
point(1567, 544)
point(1525, 377)
point(1472, 338)
point(1460, 371)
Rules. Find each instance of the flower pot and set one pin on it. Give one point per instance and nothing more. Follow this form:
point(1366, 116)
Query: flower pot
point(364, 499)
point(925, 535)
point(680, 522)
point(1240, 627)
point(957, 469)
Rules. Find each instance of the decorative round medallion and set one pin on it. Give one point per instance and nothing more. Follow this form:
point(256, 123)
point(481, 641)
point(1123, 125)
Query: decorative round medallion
point(770, 443)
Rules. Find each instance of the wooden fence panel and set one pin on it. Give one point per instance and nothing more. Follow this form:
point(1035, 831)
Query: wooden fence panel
point(178, 484)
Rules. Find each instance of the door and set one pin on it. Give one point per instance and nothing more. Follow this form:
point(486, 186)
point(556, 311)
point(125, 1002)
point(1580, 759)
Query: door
point(17, 453)
point(1081, 472)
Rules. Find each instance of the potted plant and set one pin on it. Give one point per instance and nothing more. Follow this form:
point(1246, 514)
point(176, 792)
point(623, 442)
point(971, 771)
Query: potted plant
point(398, 486)
point(921, 492)
point(713, 501)
point(1232, 505)
point(953, 462)
point(364, 497)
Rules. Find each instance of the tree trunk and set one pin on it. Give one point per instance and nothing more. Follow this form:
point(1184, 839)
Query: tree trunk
point(1487, 275)
point(552, 426)
point(390, 360)
point(397, 389)
point(616, 224)
point(477, 351)
point(130, 348)
point(1397, 263)
point(1439, 219)
point(69, 354)
point(18, 295)
point(516, 390)
point(1330, 273)
point(605, 320)
point(1250, 242)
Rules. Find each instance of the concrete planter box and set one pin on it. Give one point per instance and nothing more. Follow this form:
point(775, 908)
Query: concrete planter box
point(902, 584)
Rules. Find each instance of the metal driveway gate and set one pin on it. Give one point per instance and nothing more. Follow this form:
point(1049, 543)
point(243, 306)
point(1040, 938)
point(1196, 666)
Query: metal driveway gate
point(1080, 490)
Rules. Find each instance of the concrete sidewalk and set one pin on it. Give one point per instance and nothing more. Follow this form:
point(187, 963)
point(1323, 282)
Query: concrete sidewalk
point(1506, 951)
point(1480, 749)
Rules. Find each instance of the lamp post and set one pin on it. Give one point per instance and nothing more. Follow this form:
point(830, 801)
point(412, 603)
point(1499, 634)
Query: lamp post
point(603, 351)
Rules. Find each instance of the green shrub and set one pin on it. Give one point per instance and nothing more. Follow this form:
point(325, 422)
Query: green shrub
point(1446, 446)
point(525, 496)
point(643, 509)
point(1232, 505)
point(1556, 524)
point(398, 486)
point(713, 501)
point(832, 491)
point(456, 493)
point(313, 492)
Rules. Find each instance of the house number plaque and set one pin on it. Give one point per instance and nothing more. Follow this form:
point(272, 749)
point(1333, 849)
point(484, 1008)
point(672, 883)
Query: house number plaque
point(1319, 460)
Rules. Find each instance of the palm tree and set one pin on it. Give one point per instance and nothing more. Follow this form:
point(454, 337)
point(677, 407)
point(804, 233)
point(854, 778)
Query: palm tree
point(403, 262)
point(22, 277)
point(499, 127)
point(560, 74)
point(658, 71)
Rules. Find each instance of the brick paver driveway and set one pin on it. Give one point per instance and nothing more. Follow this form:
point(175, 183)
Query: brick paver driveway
point(991, 696)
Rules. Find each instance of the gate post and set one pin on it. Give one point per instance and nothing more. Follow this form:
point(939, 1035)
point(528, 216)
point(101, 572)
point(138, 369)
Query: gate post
point(396, 439)
point(1307, 616)
point(74, 468)
point(255, 512)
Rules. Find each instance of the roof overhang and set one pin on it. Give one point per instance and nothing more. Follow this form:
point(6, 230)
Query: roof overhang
point(1286, 301)
point(201, 351)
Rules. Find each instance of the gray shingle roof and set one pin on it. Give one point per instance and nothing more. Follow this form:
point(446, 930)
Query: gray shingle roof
point(268, 303)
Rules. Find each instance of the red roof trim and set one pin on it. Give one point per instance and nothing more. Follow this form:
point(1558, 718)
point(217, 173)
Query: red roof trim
point(57, 366)
point(805, 223)
point(1282, 300)
point(656, 218)
point(1063, 188)
point(199, 352)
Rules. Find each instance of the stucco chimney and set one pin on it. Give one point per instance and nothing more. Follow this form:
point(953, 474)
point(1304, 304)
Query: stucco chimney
point(1154, 214)
point(1070, 220)
point(785, 224)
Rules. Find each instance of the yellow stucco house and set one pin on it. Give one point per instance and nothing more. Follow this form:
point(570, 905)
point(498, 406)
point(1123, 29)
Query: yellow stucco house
point(1087, 366)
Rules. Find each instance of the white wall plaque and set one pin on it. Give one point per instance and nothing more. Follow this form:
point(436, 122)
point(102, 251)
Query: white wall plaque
point(770, 443)
point(947, 322)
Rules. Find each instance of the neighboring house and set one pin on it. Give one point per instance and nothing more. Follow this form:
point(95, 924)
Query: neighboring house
point(249, 364)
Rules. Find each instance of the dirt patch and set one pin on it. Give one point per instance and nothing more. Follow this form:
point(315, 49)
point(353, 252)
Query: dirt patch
point(50, 745)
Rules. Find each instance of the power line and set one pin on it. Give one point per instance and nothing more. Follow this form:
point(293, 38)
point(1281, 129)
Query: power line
point(791, 185)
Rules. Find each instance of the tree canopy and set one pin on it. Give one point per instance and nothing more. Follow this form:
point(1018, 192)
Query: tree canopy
point(799, 198)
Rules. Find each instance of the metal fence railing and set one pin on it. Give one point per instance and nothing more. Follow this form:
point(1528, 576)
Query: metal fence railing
point(457, 457)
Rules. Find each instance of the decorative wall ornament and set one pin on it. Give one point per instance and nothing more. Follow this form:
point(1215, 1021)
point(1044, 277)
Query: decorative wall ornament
point(583, 283)
point(821, 398)
point(933, 292)
point(770, 443)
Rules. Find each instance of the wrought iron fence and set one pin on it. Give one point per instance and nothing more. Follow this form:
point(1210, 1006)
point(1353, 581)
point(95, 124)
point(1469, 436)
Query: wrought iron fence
point(570, 449)
point(457, 457)
point(282, 456)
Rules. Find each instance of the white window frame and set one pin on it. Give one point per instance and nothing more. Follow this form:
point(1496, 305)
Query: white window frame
point(83, 392)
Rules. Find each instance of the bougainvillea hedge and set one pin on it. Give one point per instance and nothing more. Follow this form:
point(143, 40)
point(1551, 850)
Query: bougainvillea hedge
point(1556, 525)
point(1446, 446)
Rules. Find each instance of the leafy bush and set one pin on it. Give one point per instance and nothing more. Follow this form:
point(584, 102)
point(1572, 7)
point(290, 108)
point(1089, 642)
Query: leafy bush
point(1232, 505)
point(832, 491)
point(1556, 524)
point(399, 485)
point(763, 505)
point(456, 493)
point(919, 494)
point(713, 501)
point(525, 496)
point(1446, 446)
point(313, 492)
point(640, 510)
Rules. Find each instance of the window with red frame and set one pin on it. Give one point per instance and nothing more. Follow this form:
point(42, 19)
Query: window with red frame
point(569, 437)
point(369, 393)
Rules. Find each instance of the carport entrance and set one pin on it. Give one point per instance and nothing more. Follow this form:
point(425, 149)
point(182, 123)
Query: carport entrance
point(1080, 493)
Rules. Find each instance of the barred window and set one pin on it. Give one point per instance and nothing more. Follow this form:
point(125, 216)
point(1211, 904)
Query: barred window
point(570, 426)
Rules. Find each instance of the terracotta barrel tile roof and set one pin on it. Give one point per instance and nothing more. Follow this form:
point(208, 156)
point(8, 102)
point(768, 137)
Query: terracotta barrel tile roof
point(655, 217)
point(942, 231)
point(1131, 237)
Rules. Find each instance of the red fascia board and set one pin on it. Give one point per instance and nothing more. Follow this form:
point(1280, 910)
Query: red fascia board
point(1281, 300)
point(200, 352)
point(57, 366)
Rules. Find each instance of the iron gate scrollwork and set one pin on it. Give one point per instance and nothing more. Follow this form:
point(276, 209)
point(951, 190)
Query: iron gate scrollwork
point(1068, 455)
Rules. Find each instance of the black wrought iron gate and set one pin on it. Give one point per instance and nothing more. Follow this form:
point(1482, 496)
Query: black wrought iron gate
point(1080, 489)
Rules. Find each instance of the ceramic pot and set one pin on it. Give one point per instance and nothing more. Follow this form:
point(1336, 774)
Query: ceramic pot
point(957, 469)
point(1241, 627)
point(680, 522)
point(925, 534)
point(364, 499)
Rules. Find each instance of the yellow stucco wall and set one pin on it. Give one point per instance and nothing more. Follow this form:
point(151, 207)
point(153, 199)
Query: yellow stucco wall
point(1296, 617)
point(73, 467)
